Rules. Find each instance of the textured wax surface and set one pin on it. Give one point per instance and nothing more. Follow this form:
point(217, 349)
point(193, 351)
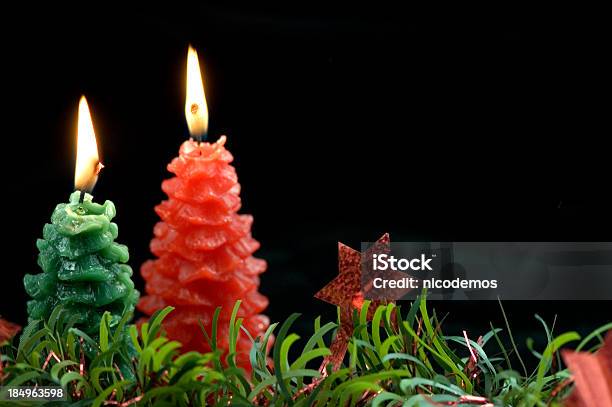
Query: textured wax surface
point(83, 267)
point(204, 252)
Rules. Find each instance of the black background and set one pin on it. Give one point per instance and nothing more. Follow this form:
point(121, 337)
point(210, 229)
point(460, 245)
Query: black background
point(344, 124)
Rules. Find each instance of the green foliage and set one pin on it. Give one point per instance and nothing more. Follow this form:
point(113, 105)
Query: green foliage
point(398, 358)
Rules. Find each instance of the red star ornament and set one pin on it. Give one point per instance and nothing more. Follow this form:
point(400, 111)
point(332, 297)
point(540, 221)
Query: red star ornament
point(345, 292)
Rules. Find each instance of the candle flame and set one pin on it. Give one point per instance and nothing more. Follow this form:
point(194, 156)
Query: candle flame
point(196, 110)
point(88, 163)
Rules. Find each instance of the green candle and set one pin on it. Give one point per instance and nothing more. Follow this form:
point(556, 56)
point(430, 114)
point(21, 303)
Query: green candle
point(83, 267)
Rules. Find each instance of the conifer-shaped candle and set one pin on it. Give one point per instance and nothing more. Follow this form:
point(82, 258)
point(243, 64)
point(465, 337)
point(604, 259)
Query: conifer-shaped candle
point(203, 246)
point(83, 267)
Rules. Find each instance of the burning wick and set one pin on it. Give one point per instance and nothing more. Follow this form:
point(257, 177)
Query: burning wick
point(195, 108)
point(97, 170)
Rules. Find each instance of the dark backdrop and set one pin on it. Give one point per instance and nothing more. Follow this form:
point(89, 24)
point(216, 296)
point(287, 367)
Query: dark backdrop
point(345, 124)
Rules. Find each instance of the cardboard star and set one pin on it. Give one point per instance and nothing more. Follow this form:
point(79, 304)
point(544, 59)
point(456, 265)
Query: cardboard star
point(592, 374)
point(355, 273)
point(345, 291)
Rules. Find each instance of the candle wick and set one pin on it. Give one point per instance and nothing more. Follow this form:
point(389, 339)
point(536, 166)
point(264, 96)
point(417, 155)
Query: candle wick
point(200, 137)
point(82, 196)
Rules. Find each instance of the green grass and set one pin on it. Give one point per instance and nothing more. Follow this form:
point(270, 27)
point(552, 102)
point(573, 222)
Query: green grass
point(402, 357)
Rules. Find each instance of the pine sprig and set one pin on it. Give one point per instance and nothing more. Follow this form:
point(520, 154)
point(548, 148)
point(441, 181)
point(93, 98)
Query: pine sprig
point(396, 359)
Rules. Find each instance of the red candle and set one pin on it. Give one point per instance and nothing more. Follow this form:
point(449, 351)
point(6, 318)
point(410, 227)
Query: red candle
point(203, 246)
